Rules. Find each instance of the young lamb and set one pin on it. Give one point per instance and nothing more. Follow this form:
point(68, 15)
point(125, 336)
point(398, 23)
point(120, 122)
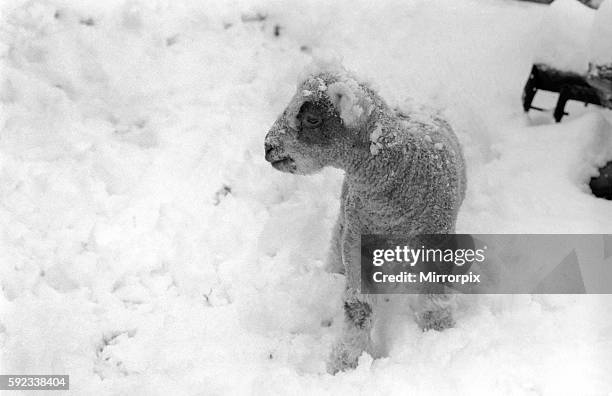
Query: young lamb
point(404, 174)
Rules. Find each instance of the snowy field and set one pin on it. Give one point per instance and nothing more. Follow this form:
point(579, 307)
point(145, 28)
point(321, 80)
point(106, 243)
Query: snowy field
point(146, 247)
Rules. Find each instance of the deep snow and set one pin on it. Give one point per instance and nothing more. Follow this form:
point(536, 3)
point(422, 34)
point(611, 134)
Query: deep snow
point(146, 247)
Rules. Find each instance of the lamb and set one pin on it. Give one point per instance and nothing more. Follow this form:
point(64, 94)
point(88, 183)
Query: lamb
point(404, 174)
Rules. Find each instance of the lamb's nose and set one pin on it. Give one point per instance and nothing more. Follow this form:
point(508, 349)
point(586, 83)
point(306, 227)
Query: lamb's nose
point(269, 149)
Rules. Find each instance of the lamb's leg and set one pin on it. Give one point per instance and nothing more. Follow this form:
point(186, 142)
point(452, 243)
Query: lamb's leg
point(334, 257)
point(355, 338)
point(358, 308)
point(435, 307)
point(435, 311)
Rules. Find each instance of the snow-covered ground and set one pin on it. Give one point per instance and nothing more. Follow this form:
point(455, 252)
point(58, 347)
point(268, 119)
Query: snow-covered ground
point(146, 247)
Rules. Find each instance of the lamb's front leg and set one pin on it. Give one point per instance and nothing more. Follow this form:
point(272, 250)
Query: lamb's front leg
point(355, 337)
point(334, 262)
point(358, 309)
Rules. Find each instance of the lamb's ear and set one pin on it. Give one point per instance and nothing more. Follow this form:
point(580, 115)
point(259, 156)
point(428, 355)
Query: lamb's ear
point(351, 101)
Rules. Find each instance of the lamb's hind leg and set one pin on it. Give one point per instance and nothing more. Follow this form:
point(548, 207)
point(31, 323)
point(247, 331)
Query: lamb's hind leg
point(355, 338)
point(435, 311)
point(435, 307)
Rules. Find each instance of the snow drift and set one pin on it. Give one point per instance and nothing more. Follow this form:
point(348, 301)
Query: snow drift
point(147, 248)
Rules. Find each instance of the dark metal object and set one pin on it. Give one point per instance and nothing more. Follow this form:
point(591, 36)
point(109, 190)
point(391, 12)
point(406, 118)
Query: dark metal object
point(602, 184)
point(569, 86)
point(594, 4)
point(589, 3)
point(540, 1)
point(574, 86)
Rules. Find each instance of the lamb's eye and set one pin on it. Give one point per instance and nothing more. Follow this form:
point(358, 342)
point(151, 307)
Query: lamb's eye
point(310, 120)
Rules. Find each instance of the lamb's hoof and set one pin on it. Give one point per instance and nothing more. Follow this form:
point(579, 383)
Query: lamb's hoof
point(342, 359)
point(436, 320)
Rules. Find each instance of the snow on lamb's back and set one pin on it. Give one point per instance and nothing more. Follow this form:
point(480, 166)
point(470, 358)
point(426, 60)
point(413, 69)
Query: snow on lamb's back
point(375, 145)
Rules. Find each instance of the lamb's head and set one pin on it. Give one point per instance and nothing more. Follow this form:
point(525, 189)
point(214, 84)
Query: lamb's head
point(324, 121)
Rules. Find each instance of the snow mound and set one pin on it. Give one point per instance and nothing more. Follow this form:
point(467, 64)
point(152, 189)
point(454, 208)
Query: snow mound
point(564, 35)
point(600, 48)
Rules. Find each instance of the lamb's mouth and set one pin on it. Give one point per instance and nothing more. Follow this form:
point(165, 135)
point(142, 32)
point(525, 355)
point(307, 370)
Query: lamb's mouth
point(284, 164)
